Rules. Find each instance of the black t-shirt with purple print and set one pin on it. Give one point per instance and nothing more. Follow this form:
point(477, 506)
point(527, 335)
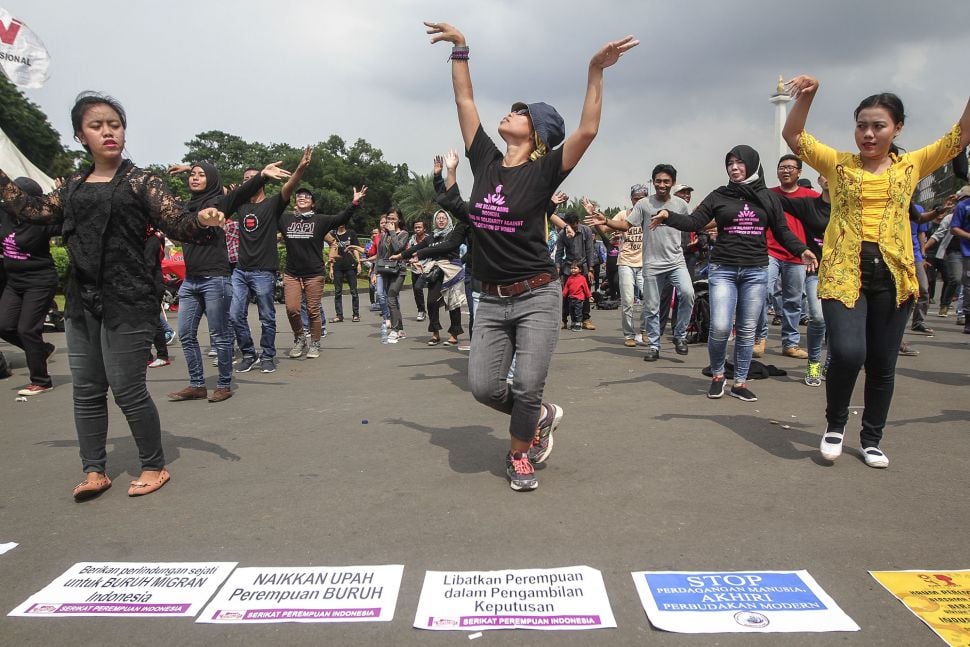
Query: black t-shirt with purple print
point(507, 212)
point(741, 226)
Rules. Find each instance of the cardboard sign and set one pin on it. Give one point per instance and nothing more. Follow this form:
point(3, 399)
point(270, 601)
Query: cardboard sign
point(552, 599)
point(133, 589)
point(307, 594)
point(941, 599)
point(756, 602)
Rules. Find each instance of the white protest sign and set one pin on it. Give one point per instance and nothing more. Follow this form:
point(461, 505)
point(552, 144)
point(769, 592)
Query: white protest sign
point(307, 594)
point(549, 599)
point(723, 602)
point(133, 589)
point(23, 57)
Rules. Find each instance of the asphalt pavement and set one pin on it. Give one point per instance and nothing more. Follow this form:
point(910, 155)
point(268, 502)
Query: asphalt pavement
point(378, 454)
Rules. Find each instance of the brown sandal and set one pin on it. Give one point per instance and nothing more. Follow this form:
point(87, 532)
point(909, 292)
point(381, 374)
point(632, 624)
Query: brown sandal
point(89, 489)
point(141, 488)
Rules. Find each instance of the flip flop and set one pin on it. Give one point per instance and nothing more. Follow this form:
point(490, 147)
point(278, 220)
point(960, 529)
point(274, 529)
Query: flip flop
point(450, 342)
point(89, 489)
point(433, 342)
point(141, 488)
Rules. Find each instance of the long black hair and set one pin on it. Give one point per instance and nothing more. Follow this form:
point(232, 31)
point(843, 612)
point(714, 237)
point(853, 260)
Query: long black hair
point(892, 104)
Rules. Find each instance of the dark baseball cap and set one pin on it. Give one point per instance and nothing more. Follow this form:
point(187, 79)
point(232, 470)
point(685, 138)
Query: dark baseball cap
point(546, 121)
point(306, 191)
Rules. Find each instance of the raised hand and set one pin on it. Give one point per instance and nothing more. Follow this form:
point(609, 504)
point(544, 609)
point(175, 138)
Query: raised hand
point(559, 198)
point(274, 172)
point(439, 164)
point(175, 169)
point(305, 160)
point(211, 217)
point(451, 160)
point(594, 219)
point(359, 194)
point(612, 51)
point(801, 84)
point(588, 205)
point(442, 31)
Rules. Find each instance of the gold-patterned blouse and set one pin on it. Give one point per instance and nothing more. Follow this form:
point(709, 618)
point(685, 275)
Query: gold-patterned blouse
point(866, 206)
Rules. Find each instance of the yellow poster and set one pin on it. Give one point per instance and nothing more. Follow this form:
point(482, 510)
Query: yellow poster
point(941, 599)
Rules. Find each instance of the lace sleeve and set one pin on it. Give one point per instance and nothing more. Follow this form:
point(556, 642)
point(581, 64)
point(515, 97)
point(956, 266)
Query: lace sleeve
point(45, 210)
point(169, 214)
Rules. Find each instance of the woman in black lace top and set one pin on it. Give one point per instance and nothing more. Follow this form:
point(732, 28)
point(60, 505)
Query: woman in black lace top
point(111, 307)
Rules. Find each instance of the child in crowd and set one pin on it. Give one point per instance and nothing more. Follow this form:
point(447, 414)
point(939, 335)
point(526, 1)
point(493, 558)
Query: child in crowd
point(576, 291)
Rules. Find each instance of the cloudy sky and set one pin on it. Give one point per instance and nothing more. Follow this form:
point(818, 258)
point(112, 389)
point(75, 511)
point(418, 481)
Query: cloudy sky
point(698, 84)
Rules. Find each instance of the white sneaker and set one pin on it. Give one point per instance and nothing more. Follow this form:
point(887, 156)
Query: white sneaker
point(420, 317)
point(831, 446)
point(212, 352)
point(392, 337)
point(638, 338)
point(299, 345)
point(313, 350)
point(874, 457)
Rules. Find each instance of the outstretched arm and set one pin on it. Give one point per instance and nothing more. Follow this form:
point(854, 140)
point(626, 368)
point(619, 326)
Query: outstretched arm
point(287, 191)
point(965, 127)
point(589, 122)
point(461, 79)
point(803, 88)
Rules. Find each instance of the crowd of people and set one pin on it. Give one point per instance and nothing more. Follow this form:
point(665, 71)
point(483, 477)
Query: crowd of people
point(855, 263)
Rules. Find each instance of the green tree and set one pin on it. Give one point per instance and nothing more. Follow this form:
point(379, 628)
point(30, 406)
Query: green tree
point(28, 128)
point(416, 198)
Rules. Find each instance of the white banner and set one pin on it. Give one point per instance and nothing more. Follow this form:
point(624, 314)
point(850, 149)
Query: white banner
point(307, 594)
point(132, 589)
point(699, 602)
point(23, 57)
point(547, 599)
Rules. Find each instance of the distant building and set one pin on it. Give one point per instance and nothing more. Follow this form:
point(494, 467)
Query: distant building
point(935, 188)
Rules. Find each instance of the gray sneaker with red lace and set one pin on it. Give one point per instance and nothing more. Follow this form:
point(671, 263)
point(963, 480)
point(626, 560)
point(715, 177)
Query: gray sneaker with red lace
point(522, 476)
point(542, 443)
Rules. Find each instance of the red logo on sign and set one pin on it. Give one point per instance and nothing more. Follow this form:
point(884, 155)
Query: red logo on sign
point(9, 34)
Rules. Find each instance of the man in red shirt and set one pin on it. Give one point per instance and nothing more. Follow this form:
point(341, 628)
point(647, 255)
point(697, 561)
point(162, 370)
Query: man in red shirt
point(786, 273)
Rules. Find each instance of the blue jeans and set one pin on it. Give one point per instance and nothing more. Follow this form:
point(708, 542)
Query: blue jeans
point(631, 284)
point(163, 320)
point(115, 358)
point(789, 306)
point(262, 285)
point(653, 286)
point(816, 322)
point(737, 294)
point(526, 326)
point(209, 295)
point(305, 316)
point(381, 291)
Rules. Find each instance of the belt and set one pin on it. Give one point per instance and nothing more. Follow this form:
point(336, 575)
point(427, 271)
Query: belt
point(506, 290)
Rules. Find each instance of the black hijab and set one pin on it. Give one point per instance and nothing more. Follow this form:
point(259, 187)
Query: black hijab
point(753, 187)
point(211, 195)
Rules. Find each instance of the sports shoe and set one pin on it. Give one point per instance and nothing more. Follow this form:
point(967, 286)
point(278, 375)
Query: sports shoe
point(522, 476)
point(391, 337)
point(813, 374)
point(630, 343)
point(796, 352)
point(921, 327)
point(576, 327)
point(741, 392)
point(212, 352)
point(313, 350)
point(716, 390)
point(831, 446)
point(355, 318)
point(944, 311)
point(299, 345)
point(874, 457)
point(588, 325)
point(267, 365)
point(247, 363)
point(652, 355)
point(638, 338)
point(758, 350)
point(158, 361)
point(169, 336)
point(549, 423)
point(776, 320)
point(34, 389)
point(680, 345)
point(420, 317)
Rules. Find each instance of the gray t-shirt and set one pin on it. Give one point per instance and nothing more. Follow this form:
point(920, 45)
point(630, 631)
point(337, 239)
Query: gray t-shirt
point(662, 249)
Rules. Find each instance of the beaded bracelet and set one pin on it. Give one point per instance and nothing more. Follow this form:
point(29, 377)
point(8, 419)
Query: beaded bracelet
point(459, 53)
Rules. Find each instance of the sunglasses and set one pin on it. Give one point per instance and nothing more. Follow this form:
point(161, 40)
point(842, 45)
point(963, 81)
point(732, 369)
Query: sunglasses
point(521, 112)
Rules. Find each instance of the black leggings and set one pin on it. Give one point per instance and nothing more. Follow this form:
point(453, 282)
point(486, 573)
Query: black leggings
point(867, 335)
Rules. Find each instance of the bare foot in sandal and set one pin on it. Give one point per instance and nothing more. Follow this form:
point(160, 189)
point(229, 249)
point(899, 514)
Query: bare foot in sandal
point(149, 481)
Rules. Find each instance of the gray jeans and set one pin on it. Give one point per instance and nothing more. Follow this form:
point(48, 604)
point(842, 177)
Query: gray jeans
point(101, 357)
point(525, 327)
